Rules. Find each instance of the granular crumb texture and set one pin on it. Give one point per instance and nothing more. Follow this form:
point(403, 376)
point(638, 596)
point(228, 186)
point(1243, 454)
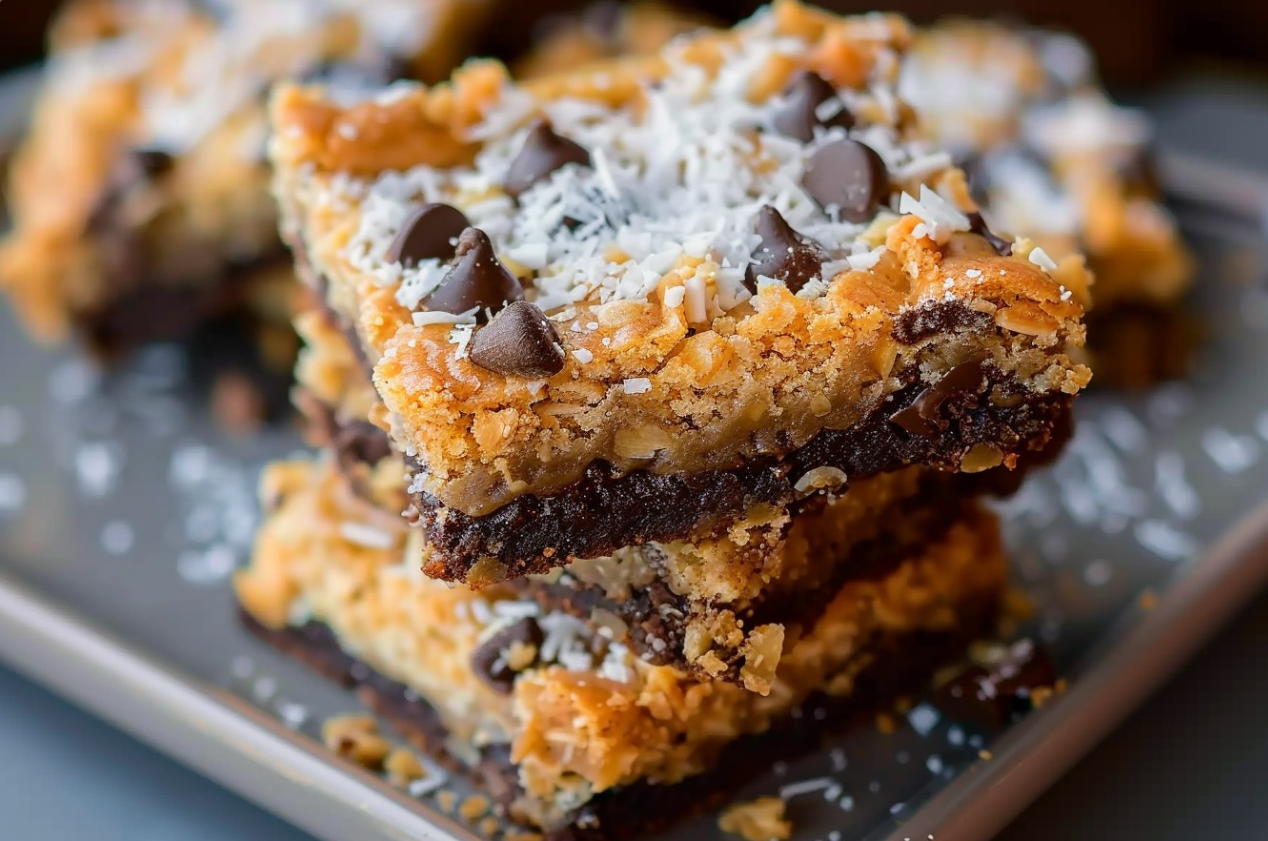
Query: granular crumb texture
point(626, 204)
point(402, 767)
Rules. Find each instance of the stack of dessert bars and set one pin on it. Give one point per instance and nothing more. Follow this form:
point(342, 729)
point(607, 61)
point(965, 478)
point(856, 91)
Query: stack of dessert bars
point(687, 373)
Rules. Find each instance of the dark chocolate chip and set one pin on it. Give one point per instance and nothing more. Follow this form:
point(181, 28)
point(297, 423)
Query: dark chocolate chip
point(544, 152)
point(802, 98)
point(996, 692)
point(783, 253)
point(477, 279)
point(428, 234)
point(488, 661)
point(977, 225)
point(152, 162)
point(923, 416)
point(849, 175)
point(519, 342)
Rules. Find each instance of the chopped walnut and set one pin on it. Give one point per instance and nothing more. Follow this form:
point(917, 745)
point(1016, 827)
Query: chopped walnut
point(759, 820)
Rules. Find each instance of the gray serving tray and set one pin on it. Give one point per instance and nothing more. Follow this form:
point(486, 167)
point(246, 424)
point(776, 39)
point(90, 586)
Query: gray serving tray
point(124, 509)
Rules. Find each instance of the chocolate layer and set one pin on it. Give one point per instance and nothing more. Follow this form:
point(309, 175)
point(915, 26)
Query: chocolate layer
point(604, 510)
point(902, 665)
point(658, 618)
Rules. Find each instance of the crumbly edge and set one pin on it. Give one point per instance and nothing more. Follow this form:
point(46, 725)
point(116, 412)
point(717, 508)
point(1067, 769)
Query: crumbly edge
point(766, 378)
point(721, 608)
point(1132, 244)
point(576, 733)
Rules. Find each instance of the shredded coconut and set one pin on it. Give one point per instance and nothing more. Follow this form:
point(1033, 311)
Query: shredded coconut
point(1041, 259)
point(681, 177)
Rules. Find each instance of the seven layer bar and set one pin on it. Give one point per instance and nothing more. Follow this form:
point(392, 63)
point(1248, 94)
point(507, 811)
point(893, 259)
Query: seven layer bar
point(629, 304)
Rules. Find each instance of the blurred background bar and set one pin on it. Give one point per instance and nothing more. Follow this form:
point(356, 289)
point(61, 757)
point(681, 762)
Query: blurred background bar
point(1136, 40)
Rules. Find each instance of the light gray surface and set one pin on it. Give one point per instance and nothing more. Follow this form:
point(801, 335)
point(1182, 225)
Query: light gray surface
point(136, 439)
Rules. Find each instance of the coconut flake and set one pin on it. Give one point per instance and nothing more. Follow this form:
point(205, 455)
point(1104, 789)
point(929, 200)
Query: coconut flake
point(423, 319)
point(365, 535)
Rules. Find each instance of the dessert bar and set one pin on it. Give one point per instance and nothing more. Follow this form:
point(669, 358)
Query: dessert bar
point(569, 729)
point(140, 198)
point(635, 303)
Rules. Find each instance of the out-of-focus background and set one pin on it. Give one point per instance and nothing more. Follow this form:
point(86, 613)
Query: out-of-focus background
point(1136, 41)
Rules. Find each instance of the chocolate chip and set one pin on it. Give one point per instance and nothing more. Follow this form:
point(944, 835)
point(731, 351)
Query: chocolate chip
point(543, 152)
point(800, 112)
point(519, 342)
point(923, 416)
point(428, 234)
point(783, 253)
point(977, 225)
point(477, 279)
point(849, 175)
point(994, 692)
point(489, 661)
point(152, 162)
